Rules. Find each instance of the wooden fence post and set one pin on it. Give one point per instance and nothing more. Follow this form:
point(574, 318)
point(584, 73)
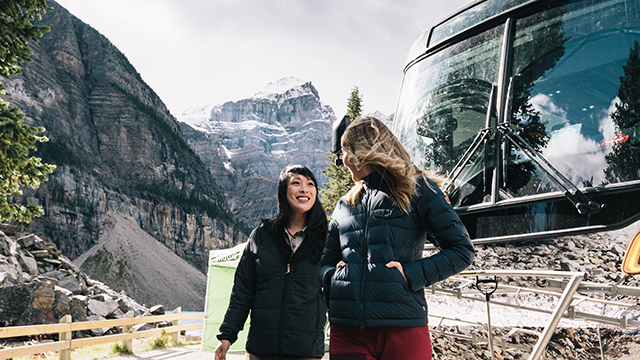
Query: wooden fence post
point(128, 344)
point(65, 354)
point(176, 335)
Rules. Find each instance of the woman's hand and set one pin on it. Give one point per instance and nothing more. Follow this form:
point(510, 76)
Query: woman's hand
point(221, 350)
point(397, 265)
point(340, 264)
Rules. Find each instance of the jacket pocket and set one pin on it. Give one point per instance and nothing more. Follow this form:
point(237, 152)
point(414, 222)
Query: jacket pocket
point(398, 275)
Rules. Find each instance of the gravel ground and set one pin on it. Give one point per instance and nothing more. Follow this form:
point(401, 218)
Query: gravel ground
point(597, 255)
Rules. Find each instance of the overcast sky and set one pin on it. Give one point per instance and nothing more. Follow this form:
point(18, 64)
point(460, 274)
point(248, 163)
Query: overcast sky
point(199, 52)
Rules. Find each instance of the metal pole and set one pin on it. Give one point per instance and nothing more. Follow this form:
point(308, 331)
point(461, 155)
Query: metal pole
point(565, 301)
point(490, 334)
point(487, 291)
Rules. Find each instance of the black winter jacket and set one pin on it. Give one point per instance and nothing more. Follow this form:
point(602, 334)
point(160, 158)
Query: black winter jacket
point(288, 312)
point(374, 232)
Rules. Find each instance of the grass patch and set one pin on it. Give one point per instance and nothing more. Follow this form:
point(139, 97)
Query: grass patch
point(161, 342)
point(119, 349)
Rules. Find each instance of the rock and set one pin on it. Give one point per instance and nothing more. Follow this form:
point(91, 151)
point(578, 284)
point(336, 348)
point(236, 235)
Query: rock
point(61, 302)
point(39, 253)
point(9, 275)
point(63, 290)
point(142, 327)
point(618, 250)
point(117, 314)
point(14, 305)
point(98, 331)
point(78, 308)
point(157, 310)
point(4, 245)
point(28, 241)
point(102, 308)
point(54, 274)
point(27, 263)
point(70, 283)
point(569, 265)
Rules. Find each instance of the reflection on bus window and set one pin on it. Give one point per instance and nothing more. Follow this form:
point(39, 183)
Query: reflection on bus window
point(479, 12)
point(569, 83)
point(443, 105)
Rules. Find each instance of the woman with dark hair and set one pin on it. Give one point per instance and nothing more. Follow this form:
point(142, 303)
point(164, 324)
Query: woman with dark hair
point(372, 267)
point(277, 279)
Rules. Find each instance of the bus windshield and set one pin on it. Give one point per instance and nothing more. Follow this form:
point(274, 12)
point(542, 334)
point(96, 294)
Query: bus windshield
point(568, 66)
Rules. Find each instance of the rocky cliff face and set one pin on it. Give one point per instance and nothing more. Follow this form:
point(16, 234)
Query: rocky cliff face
point(118, 150)
point(246, 143)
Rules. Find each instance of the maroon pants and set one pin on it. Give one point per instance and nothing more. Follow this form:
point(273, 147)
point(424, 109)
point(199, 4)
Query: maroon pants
point(380, 343)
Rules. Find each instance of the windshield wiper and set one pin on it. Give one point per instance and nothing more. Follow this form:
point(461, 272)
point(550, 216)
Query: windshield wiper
point(481, 138)
point(580, 201)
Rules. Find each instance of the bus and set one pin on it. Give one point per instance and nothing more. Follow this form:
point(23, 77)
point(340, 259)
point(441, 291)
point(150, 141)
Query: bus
point(531, 109)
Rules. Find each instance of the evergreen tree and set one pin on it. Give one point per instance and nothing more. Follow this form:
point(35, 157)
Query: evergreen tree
point(624, 159)
point(339, 176)
point(354, 104)
point(17, 167)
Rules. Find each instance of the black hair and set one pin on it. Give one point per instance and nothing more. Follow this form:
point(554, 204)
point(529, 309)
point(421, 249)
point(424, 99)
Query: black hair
point(316, 218)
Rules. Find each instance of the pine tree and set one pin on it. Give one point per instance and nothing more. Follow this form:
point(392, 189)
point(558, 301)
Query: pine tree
point(339, 176)
point(354, 104)
point(17, 167)
point(624, 159)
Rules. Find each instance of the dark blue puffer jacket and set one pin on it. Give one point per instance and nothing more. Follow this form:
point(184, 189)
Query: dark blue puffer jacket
point(375, 231)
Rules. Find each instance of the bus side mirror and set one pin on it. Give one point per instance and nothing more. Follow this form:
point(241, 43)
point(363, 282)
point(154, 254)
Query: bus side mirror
point(339, 126)
point(631, 262)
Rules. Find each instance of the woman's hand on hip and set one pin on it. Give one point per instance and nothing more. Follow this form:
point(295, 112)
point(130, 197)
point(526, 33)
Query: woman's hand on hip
point(397, 265)
point(222, 349)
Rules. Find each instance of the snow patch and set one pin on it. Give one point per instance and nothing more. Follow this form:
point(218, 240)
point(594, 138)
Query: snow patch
point(196, 116)
point(291, 86)
point(229, 167)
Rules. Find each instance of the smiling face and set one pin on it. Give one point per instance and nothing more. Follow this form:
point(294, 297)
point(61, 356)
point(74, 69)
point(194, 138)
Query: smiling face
point(301, 194)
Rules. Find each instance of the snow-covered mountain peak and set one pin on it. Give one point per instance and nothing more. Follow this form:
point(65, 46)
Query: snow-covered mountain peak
point(286, 88)
point(281, 86)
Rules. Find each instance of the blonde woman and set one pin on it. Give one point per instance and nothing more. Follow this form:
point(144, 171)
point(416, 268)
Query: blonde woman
point(372, 268)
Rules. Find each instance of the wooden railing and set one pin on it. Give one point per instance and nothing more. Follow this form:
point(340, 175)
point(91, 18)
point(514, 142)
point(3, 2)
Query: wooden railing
point(65, 342)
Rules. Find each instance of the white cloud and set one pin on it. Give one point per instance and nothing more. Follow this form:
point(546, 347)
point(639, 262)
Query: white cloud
point(545, 104)
point(606, 126)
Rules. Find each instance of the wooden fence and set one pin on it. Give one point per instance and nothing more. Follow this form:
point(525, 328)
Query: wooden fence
point(65, 328)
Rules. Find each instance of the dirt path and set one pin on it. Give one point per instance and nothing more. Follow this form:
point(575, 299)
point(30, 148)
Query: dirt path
point(189, 352)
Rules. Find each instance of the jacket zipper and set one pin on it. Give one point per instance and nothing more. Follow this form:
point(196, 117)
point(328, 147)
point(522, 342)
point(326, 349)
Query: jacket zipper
point(287, 269)
point(365, 255)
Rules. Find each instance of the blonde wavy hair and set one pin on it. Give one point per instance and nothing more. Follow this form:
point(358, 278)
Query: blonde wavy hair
point(370, 141)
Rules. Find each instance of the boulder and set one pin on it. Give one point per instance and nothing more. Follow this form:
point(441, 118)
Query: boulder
point(28, 241)
point(71, 283)
point(117, 314)
point(9, 275)
point(4, 245)
point(27, 263)
point(157, 310)
point(14, 305)
point(102, 308)
point(98, 331)
point(78, 308)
